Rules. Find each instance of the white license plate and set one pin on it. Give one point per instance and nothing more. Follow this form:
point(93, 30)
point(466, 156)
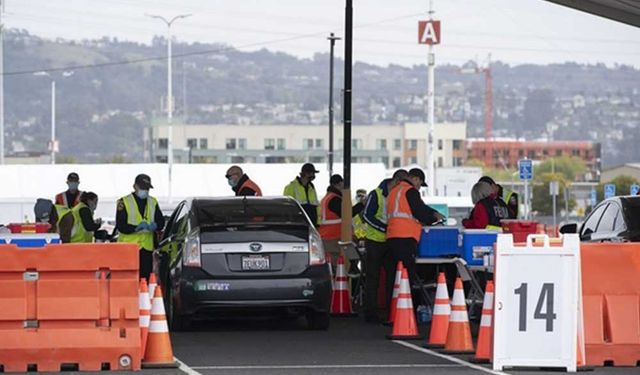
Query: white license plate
point(255, 263)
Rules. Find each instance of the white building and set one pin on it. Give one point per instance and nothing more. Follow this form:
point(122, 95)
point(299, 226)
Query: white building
point(392, 145)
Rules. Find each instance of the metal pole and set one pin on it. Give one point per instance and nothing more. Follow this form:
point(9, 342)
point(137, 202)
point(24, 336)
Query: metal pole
point(431, 113)
point(553, 201)
point(526, 199)
point(346, 162)
point(184, 91)
point(53, 121)
point(566, 203)
point(332, 43)
point(169, 110)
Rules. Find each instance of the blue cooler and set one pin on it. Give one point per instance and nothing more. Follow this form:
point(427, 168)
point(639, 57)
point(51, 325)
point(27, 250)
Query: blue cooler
point(439, 242)
point(30, 240)
point(476, 243)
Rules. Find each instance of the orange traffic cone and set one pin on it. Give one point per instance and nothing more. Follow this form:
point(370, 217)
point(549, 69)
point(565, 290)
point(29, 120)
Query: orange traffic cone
point(152, 285)
point(441, 313)
point(145, 313)
point(404, 324)
point(341, 296)
point(485, 344)
point(396, 291)
point(158, 353)
point(459, 333)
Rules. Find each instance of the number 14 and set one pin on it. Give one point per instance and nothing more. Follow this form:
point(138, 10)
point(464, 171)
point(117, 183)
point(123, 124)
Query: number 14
point(546, 294)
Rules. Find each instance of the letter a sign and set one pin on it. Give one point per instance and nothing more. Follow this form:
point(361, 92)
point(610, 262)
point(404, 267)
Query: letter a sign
point(429, 32)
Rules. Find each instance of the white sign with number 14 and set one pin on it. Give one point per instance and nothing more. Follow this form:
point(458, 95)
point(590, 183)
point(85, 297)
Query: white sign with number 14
point(537, 303)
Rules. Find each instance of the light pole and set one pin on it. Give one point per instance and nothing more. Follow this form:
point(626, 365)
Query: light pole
point(53, 147)
point(2, 2)
point(169, 92)
point(332, 42)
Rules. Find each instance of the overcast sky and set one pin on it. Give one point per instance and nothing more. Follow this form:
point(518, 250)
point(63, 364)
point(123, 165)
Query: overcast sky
point(513, 31)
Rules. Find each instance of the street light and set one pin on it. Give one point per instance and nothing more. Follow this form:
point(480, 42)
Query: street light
point(169, 91)
point(53, 146)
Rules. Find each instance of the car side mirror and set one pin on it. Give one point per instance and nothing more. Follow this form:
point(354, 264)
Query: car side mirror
point(569, 228)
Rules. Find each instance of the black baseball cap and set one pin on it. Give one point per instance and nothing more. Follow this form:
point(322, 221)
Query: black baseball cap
point(73, 176)
point(335, 179)
point(143, 181)
point(308, 167)
point(417, 172)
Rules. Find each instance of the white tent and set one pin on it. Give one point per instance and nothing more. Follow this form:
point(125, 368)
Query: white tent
point(23, 184)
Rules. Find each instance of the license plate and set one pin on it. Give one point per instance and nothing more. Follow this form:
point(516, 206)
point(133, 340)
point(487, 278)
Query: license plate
point(255, 263)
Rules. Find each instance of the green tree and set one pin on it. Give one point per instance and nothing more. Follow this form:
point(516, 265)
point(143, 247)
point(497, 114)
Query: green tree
point(541, 201)
point(567, 166)
point(623, 186)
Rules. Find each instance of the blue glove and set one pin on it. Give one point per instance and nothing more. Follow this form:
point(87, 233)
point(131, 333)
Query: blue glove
point(152, 227)
point(142, 226)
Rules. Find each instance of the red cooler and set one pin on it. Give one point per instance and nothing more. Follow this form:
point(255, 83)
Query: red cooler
point(29, 227)
point(519, 228)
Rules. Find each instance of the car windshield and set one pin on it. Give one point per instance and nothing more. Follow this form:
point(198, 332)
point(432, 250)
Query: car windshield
point(248, 211)
point(632, 212)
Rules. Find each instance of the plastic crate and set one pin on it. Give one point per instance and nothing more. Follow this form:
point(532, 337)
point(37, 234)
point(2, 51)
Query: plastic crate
point(29, 227)
point(439, 242)
point(30, 240)
point(519, 228)
point(476, 243)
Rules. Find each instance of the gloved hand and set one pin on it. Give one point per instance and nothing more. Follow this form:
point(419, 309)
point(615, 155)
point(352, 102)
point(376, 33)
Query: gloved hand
point(142, 226)
point(152, 227)
point(99, 222)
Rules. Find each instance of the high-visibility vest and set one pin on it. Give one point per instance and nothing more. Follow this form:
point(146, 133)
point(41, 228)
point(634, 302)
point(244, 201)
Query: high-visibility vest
point(372, 233)
point(513, 214)
point(330, 222)
point(61, 211)
point(144, 239)
point(401, 222)
point(359, 227)
point(61, 199)
point(78, 233)
point(297, 192)
point(251, 185)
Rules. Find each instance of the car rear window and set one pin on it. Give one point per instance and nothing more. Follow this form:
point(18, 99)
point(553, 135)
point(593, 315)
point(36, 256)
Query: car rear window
point(249, 211)
point(632, 212)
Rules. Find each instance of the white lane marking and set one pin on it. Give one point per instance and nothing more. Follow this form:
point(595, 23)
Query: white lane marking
point(450, 358)
point(305, 367)
point(186, 369)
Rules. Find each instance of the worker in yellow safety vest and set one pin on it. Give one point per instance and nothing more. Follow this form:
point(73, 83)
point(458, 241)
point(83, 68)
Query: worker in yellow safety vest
point(138, 217)
point(377, 251)
point(302, 190)
point(78, 225)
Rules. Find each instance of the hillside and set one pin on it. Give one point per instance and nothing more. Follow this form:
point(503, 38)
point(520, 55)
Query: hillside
point(102, 110)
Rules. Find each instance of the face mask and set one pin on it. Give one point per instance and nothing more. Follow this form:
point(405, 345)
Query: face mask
point(93, 206)
point(142, 194)
point(231, 182)
point(73, 186)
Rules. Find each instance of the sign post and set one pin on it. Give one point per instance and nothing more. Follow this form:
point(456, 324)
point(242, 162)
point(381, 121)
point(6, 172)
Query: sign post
point(525, 167)
point(537, 303)
point(609, 191)
point(554, 190)
point(594, 198)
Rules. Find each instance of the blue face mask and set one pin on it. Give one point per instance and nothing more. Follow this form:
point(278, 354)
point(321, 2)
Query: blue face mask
point(73, 186)
point(142, 194)
point(231, 182)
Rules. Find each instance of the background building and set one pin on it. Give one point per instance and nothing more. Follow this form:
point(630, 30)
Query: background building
point(392, 145)
point(506, 153)
point(629, 169)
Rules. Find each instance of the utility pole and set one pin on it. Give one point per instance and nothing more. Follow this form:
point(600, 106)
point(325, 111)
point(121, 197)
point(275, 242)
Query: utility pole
point(332, 42)
point(169, 95)
point(53, 122)
point(346, 162)
point(431, 113)
point(184, 90)
point(2, 4)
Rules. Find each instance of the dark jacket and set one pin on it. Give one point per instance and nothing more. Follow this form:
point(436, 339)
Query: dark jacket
point(423, 213)
point(121, 216)
point(335, 204)
point(487, 211)
point(371, 207)
point(246, 191)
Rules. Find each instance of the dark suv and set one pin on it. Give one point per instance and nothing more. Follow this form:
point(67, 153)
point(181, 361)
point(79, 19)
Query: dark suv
point(237, 254)
point(614, 219)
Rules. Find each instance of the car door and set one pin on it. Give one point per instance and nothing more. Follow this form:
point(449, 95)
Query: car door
point(605, 230)
point(591, 223)
point(169, 247)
